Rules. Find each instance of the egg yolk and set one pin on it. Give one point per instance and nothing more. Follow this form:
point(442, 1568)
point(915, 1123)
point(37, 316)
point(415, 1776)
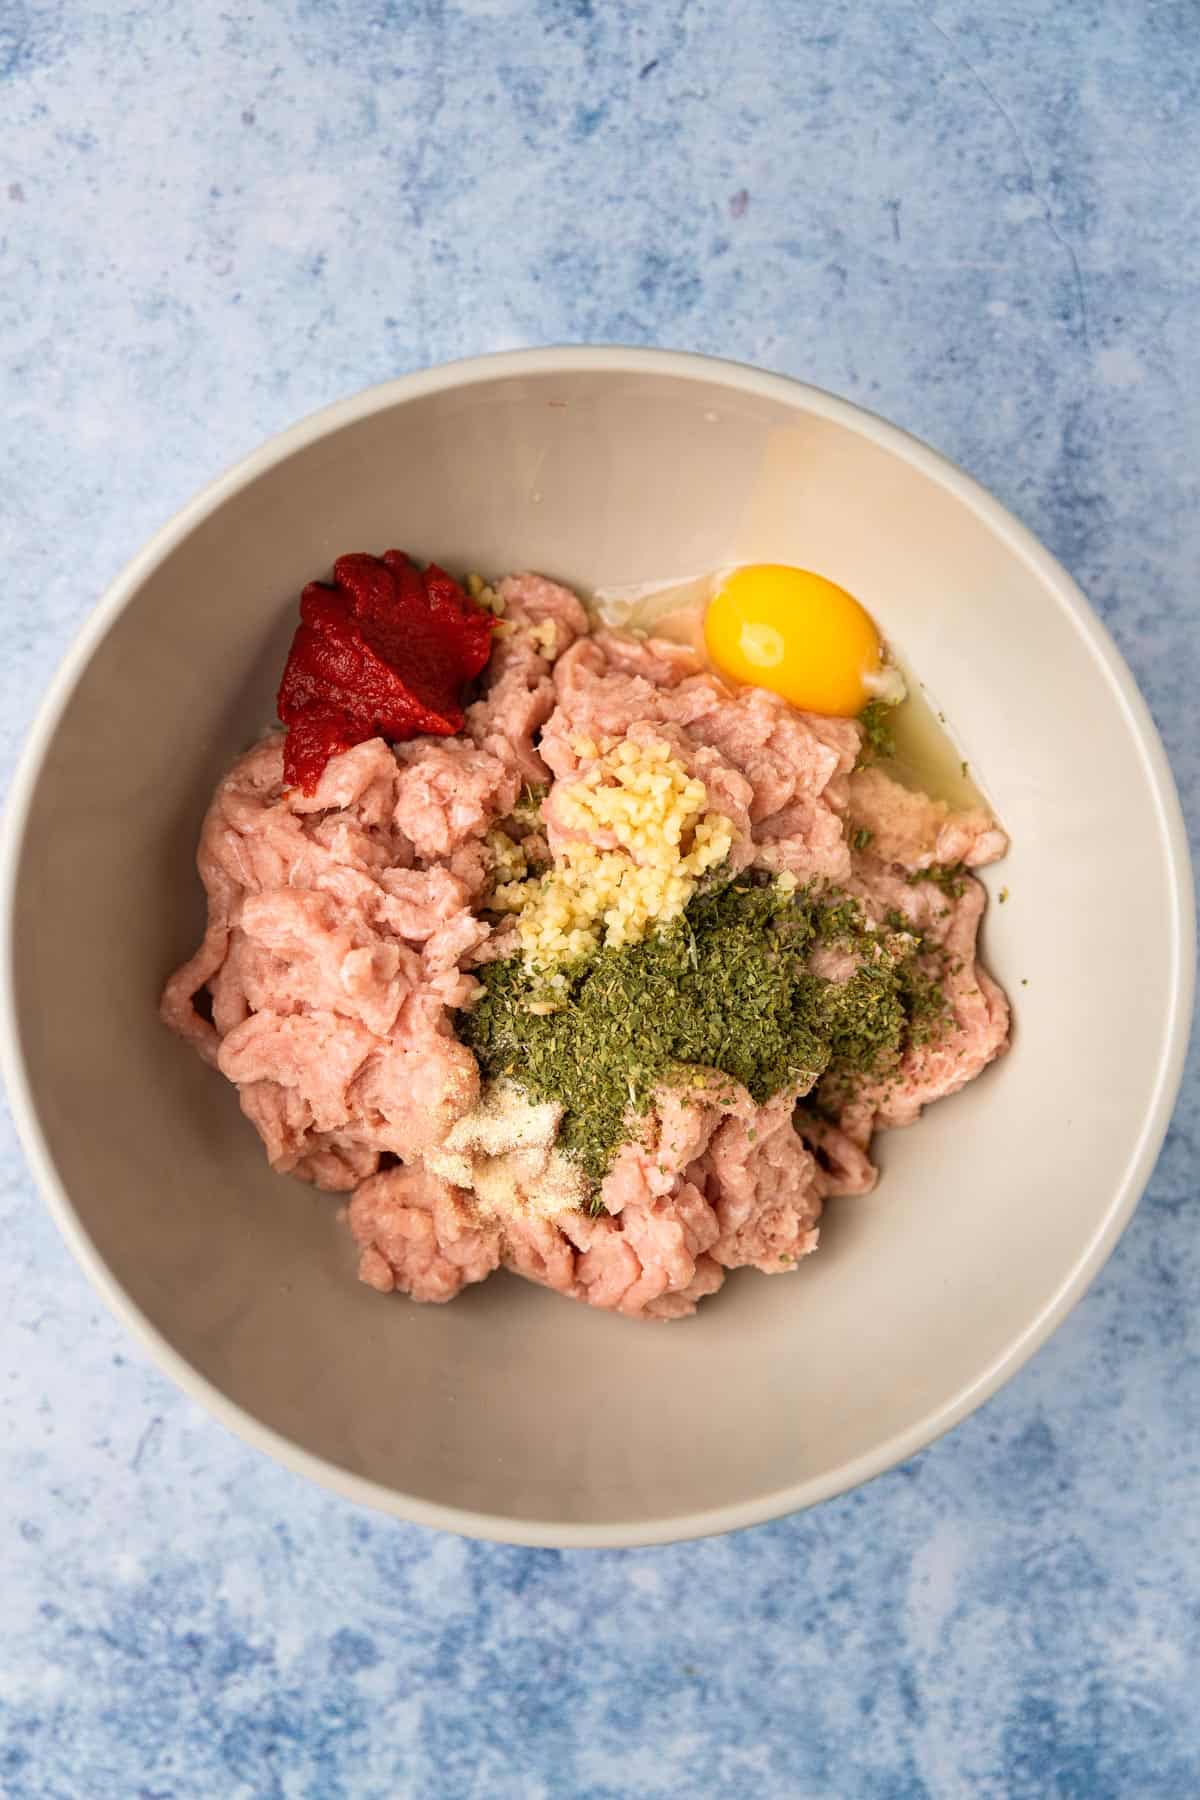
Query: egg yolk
point(789, 630)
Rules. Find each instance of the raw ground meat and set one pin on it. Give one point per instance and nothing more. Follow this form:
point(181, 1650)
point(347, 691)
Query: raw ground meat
point(979, 1014)
point(343, 928)
point(915, 831)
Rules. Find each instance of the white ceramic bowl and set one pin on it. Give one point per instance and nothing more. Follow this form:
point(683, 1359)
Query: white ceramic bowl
point(514, 1414)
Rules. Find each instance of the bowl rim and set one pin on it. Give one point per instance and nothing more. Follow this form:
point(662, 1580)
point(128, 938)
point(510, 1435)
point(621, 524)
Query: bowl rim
point(741, 378)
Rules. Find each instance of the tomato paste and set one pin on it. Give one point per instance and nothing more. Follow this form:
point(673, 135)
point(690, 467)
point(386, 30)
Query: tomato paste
point(383, 652)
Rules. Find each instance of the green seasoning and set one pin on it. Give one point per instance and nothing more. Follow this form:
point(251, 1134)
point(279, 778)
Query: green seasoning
point(950, 877)
point(727, 986)
point(878, 743)
point(927, 1011)
point(528, 810)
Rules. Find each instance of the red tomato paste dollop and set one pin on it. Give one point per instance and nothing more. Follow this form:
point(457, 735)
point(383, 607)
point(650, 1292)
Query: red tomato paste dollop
point(384, 652)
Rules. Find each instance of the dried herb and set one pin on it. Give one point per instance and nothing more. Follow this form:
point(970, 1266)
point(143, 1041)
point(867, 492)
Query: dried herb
point(950, 877)
point(878, 744)
point(727, 986)
point(528, 809)
point(927, 1011)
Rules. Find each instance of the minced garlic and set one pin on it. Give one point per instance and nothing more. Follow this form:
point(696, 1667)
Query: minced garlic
point(545, 636)
point(508, 859)
point(543, 633)
point(483, 594)
point(641, 796)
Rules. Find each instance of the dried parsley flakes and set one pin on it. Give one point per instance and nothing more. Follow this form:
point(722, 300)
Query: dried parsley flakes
point(950, 877)
point(727, 986)
point(878, 743)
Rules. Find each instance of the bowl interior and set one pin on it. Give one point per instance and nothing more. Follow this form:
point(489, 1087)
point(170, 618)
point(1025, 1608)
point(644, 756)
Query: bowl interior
point(549, 1419)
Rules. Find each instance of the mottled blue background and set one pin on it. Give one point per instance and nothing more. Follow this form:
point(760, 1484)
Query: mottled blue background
point(981, 220)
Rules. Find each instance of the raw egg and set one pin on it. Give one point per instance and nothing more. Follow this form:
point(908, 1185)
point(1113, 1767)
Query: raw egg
point(772, 626)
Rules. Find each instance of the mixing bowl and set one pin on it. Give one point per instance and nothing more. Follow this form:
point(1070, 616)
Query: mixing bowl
point(514, 1414)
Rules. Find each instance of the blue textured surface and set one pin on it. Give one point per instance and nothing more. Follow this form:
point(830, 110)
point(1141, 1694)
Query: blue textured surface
point(980, 220)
